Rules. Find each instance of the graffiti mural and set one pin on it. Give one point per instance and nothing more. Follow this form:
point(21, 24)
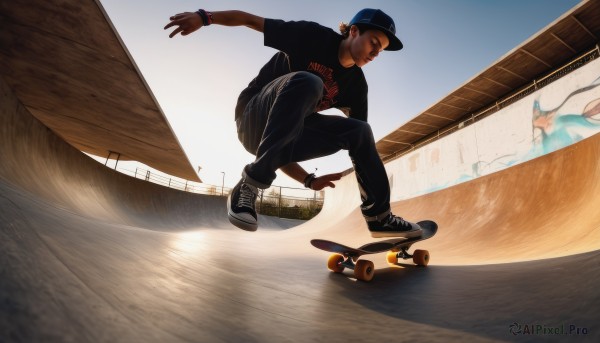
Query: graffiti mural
point(560, 114)
point(554, 130)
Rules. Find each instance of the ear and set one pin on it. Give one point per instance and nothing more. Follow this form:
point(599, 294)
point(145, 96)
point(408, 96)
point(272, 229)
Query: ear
point(353, 31)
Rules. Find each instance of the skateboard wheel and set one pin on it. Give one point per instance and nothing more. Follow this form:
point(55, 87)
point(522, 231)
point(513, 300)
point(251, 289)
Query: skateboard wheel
point(364, 270)
point(335, 263)
point(421, 257)
point(392, 258)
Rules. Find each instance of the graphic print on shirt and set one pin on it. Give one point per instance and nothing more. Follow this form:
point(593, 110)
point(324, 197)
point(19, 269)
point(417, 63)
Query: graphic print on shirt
point(331, 86)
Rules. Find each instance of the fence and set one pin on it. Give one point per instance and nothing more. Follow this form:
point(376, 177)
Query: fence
point(283, 202)
point(287, 202)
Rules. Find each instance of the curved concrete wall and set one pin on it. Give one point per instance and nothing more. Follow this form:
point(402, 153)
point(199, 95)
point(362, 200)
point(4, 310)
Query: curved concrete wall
point(88, 254)
point(558, 115)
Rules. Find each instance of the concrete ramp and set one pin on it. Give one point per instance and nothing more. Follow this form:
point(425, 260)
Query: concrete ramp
point(545, 208)
point(91, 255)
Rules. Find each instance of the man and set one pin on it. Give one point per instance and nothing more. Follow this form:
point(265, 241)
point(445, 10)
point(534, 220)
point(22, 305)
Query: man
point(277, 114)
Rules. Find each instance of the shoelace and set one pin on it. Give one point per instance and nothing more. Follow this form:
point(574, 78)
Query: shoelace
point(397, 220)
point(247, 196)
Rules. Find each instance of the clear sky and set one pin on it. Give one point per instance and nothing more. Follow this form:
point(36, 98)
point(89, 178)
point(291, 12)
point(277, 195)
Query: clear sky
point(197, 79)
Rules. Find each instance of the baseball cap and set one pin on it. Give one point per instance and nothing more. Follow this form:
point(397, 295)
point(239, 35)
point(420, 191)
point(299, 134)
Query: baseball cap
point(376, 19)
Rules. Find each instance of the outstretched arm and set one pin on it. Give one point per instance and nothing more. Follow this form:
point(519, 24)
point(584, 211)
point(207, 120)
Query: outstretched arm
point(296, 172)
point(189, 22)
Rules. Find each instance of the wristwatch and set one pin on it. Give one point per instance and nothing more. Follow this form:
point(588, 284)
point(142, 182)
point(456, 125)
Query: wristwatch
point(309, 179)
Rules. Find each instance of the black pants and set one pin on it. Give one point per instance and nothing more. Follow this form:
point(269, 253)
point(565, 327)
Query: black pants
point(279, 126)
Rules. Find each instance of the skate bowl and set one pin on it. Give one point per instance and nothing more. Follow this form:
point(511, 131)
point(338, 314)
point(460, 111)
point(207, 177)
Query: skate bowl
point(89, 254)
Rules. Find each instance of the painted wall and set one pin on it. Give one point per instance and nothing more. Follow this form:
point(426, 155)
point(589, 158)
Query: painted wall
point(558, 115)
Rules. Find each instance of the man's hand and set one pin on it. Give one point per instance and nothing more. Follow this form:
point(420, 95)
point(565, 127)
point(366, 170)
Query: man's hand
point(186, 23)
point(325, 181)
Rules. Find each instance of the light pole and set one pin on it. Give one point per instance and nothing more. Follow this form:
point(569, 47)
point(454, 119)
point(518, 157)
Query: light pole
point(223, 183)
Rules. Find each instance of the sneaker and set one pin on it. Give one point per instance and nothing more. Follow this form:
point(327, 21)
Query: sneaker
point(394, 226)
point(240, 206)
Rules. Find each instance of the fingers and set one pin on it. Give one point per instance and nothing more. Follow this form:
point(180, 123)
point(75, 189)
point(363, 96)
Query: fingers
point(175, 20)
point(320, 183)
point(178, 15)
point(185, 24)
point(332, 177)
point(318, 187)
point(325, 181)
point(171, 24)
point(179, 29)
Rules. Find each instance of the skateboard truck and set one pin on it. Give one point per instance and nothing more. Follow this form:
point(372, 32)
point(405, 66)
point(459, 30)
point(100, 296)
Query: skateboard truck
point(403, 254)
point(363, 269)
point(419, 257)
point(348, 263)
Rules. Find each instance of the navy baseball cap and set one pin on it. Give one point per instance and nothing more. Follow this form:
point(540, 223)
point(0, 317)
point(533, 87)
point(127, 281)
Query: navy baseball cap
point(376, 19)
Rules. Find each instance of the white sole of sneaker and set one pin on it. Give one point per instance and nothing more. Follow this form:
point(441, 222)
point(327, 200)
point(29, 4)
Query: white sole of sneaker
point(239, 221)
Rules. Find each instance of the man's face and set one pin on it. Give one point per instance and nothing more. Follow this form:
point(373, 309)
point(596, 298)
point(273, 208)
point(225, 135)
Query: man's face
point(365, 47)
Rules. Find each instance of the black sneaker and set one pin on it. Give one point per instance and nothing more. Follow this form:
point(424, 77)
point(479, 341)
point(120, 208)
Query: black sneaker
point(394, 226)
point(240, 206)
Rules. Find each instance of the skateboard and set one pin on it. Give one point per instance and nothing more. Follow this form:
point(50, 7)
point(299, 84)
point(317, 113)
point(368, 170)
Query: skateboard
point(347, 257)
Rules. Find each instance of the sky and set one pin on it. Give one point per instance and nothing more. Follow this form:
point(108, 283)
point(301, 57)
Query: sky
point(197, 79)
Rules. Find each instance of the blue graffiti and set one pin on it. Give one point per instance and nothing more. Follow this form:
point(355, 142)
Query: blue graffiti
point(551, 131)
point(559, 131)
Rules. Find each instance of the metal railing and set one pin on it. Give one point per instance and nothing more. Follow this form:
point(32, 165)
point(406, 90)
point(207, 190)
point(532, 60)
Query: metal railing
point(283, 202)
point(288, 202)
point(504, 102)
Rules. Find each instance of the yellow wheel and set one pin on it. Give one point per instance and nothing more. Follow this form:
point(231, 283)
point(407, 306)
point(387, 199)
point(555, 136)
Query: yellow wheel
point(392, 258)
point(364, 270)
point(421, 257)
point(335, 263)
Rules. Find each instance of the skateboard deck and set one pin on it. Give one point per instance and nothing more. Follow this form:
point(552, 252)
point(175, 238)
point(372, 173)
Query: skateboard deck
point(348, 257)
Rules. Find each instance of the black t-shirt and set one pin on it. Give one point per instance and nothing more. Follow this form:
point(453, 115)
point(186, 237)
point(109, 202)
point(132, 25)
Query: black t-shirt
point(308, 46)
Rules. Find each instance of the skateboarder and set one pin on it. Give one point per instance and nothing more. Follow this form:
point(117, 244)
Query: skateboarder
point(277, 114)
